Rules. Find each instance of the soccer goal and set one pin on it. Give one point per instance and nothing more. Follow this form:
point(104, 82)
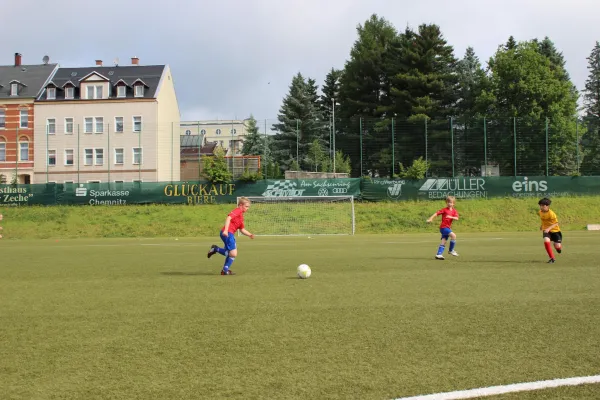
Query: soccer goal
point(300, 215)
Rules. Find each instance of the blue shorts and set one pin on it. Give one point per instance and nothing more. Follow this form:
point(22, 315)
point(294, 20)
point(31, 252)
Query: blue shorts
point(445, 233)
point(229, 241)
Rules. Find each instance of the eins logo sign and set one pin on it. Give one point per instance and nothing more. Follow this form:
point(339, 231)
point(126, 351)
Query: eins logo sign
point(527, 186)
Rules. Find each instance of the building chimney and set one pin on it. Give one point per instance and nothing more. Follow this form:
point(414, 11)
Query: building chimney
point(99, 62)
point(17, 59)
point(135, 61)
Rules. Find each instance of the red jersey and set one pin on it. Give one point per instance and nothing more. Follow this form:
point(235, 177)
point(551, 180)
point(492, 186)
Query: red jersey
point(237, 220)
point(445, 213)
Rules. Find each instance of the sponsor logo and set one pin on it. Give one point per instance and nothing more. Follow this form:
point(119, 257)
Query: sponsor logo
point(457, 187)
point(81, 191)
point(323, 192)
point(528, 187)
point(395, 191)
point(339, 190)
point(96, 196)
point(282, 189)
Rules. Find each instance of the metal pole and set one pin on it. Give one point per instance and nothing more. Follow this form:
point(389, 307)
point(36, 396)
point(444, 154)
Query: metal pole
point(200, 140)
point(361, 147)
point(108, 151)
point(140, 153)
point(47, 149)
point(78, 153)
point(333, 132)
point(485, 145)
point(577, 142)
point(452, 142)
point(266, 148)
point(546, 146)
point(393, 150)
point(172, 159)
point(17, 155)
point(515, 143)
point(426, 158)
point(297, 143)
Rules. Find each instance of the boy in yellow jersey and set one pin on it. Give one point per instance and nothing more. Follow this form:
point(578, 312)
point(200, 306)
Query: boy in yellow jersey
point(550, 229)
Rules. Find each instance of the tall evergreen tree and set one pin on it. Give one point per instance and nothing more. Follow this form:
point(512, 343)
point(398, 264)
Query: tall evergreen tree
point(255, 144)
point(511, 44)
point(300, 122)
point(330, 94)
point(591, 103)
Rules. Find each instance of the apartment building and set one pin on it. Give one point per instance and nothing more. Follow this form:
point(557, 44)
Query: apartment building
point(117, 123)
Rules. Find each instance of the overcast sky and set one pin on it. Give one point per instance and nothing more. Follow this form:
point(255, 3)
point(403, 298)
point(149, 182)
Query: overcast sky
point(233, 58)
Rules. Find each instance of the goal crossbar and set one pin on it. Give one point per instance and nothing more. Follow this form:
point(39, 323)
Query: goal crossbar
point(300, 215)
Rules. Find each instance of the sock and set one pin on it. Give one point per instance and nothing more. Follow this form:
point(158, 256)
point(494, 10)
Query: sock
point(221, 251)
point(441, 249)
point(558, 247)
point(228, 262)
point(452, 244)
point(548, 247)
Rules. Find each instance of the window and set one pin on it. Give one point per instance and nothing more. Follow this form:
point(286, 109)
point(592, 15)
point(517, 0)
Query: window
point(51, 126)
point(69, 126)
point(14, 89)
point(2, 151)
point(118, 124)
point(2, 118)
point(69, 93)
point(94, 91)
point(99, 156)
point(218, 131)
point(68, 157)
point(24, 118)
point(137, 124)
point(51, 93)
point(139, 90)
point(121, 90)
point(89, 125)
point(137, 155)
point(233, 131)
point(203, 132)
point(89, 156)
point(188, 132)
point(51, 157)
point(99, 124)
point(119, 156)
point(24, 151)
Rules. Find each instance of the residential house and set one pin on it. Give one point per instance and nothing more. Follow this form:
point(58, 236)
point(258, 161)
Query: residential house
point(228, 134)
point(20, 85)
point(117, 123)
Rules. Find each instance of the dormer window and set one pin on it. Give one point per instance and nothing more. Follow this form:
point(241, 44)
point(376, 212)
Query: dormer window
point(14, 89)
point(51, 93)
point(93, 92)
point(70, 92)
point(139, 90)
point(121, 91)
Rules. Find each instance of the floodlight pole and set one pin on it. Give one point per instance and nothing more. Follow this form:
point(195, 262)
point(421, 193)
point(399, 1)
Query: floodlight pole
point(333, 123)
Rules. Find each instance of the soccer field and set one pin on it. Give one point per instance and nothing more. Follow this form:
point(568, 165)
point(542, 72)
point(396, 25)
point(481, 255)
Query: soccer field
point(379, 318)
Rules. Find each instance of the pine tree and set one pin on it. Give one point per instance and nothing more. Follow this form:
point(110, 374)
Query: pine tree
point(255, 144)
point(511, 44)
point(300, 122)
point(591, 102)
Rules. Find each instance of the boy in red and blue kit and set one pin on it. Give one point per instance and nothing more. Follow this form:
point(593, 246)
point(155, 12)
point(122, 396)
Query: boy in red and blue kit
point(233, 222)
point(448, 214)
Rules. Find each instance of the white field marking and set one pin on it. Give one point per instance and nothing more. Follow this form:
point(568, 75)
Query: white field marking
point(516, 387)
point(429, 241)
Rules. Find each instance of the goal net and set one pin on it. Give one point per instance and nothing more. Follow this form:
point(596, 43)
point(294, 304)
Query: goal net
point(300, 215)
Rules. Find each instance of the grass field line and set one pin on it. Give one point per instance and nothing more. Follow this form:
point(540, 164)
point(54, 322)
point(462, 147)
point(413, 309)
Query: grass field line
point(502, 389)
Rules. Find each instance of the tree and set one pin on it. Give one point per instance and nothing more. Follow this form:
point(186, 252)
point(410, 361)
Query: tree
point(316, 155)
point(511, 44)
point(215, 167)
point(300, 122)
point(255, 143)
point(591, 103)
point(525, 84)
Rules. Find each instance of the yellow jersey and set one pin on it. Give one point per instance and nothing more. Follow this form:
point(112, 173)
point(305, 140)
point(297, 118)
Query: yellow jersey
point(549, 218)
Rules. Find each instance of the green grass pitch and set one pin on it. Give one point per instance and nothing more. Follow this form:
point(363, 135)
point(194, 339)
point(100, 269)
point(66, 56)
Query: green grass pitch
point(378, 319)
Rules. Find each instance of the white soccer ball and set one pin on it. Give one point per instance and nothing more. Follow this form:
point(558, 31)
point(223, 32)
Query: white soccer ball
point(303, 271)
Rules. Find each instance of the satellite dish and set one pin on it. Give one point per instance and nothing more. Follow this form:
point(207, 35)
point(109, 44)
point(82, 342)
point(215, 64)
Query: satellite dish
point(46, 59)
point(116, 61)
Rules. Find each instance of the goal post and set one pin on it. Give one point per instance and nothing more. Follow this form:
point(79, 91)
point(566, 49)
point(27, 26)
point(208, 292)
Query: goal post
point(300, 215)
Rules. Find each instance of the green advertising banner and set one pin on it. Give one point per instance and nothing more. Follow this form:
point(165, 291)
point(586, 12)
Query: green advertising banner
point(191, 193)
point(478, 187)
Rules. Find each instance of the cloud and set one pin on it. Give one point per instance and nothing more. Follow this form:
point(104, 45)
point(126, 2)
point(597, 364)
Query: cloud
point(224, 54)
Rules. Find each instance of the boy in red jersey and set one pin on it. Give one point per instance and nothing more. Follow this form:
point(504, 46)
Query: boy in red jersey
point(550, 229)
point(448, 214)
point(233, 222)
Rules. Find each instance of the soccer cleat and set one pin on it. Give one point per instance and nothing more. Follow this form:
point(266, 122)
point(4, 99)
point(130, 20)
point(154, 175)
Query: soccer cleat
point(559, 251)
point(453, 253)
point(213, 250)
point(551, 261)
point(439, 257)
point(228, 272)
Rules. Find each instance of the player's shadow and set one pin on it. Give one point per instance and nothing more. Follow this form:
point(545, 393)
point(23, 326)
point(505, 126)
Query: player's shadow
point(179, 273)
